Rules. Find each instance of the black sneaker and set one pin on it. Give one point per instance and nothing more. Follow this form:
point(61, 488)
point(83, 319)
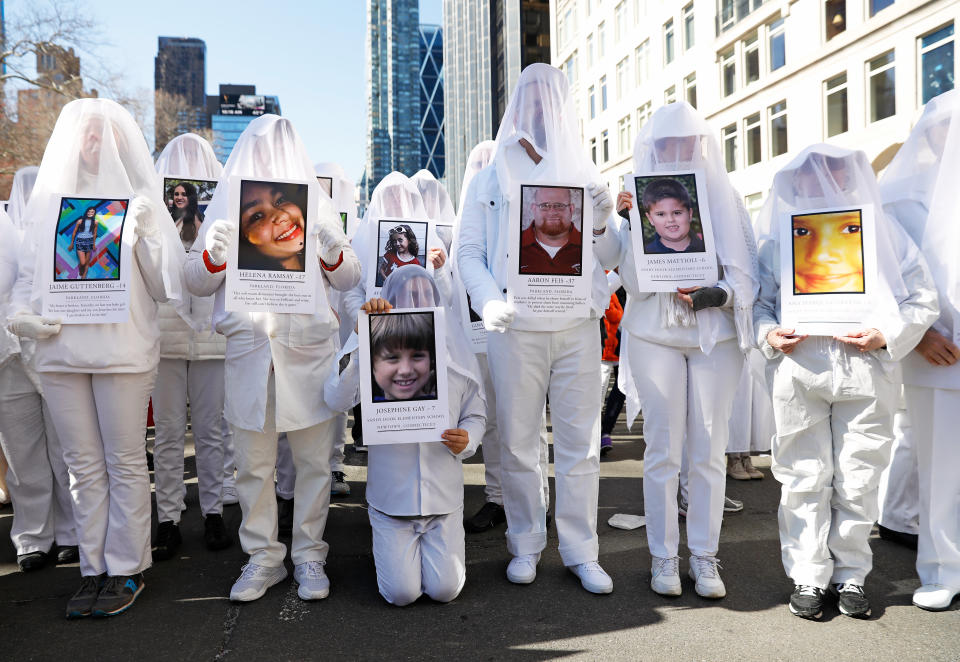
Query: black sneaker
point(67, 554)
point(490, 515)
point(851, 600)
point(32, 561)
point(284, 516)
point(117, 594)
point(807, 601)
point(168, 541)
point(908, 540)
point(215, 533)
point(80, 604)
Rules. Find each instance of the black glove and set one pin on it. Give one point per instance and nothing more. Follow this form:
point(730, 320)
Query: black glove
point(708, 297)
point(624, 213)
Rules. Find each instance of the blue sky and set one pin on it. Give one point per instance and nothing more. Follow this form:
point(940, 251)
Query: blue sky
point(310, 54)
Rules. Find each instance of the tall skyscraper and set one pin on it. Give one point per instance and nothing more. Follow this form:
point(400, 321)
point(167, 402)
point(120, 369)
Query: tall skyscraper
point(393, 92)
point(179, 83)
point(232, 110)
point(431, 100)
point(486, 45)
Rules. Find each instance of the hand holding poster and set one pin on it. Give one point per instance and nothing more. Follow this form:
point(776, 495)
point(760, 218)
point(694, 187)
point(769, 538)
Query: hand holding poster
point(403, 378)
point(550, 264)
point(828, 268)
point(91, 262)
point(671, 231)
point(272, 265)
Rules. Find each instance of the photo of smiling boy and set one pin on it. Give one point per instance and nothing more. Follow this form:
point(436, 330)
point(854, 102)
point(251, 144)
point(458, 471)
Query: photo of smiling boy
point(273, 226)
point(403, 362)
point(828, 253)
point(667, 206)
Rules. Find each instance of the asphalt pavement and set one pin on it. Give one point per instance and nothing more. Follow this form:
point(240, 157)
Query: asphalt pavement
point(184, 614)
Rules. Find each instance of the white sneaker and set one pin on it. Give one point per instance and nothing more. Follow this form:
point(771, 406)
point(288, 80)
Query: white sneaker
point(523, 568)
point(934, 597)
point(592, 577)
point(666, 575)
point(228, 496)
point(254, 581)
point(704, 571)
point(313, 581)
point(4, 497)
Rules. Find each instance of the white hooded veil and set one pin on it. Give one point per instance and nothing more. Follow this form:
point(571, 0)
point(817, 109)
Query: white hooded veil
point(343, 192)
point(437, 205)
point(23, 182)
point(189, 155)
point(480, 157)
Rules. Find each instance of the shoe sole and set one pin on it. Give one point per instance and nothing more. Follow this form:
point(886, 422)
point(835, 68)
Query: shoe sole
point(809, 617)
point(74, 615)
point(521, 580)
point(865, 614)
point(932, 608)
point(260, 594)
point(705, 595)
point(671, 593)
point(307, 595)
point(99, 613)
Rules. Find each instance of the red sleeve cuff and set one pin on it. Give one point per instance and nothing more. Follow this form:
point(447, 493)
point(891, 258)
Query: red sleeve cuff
point(332, 267)
point(211, 267)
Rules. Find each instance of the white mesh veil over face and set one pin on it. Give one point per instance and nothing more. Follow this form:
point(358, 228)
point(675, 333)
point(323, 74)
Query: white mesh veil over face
point(20, 190)
point(677, 138)
point(97, 150)
point(480, 157)
point(920, 188)
point(436, 202)
point(189, 155)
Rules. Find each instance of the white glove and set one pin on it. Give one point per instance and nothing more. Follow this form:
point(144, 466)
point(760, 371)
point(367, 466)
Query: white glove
point(330, 242)
point(28, 325)
point(602, 205)
point(498, 315)
point(217, 241)
point(141, 210)
point(613, 281)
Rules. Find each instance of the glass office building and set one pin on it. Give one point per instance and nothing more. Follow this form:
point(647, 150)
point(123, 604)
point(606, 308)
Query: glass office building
point(431, 100)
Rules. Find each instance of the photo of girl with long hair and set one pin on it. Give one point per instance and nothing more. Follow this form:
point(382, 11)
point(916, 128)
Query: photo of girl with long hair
point(273, 226)
point(403, 244)
point(84, 239)
point(87, 246)
point(403, 355)
point(186, 200)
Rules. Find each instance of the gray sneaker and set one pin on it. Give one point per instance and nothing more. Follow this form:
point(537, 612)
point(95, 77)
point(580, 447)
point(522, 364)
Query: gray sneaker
point(254, 581)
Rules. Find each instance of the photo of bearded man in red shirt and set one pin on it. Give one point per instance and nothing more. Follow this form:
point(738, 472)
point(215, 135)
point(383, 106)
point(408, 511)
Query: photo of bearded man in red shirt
point(552, 244)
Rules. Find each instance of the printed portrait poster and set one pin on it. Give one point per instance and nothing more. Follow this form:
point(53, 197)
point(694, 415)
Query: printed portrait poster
point(670, 231)
point(272, 264)
point(403, 378)
point(828, 269)
point(186, 196)
point(472, 324)
point(550, 260)
point(400, 242)
point(90, 275)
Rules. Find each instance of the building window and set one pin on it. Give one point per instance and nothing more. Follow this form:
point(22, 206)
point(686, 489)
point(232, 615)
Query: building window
point(877, 5)
point(835, 90)
point(619, 21)
point(592, 95)
point(670, 95)
point(601, 40)
point(593, 149)
point(729, 134)
point(643, 114)
point(605, 145)
point(778, 46)
point(689, 38)
point(668, 42)
point(570, 68)
point(778, 128)
point(639, 10)
point(835, 17)
point(883, 88)
point(603, 93)
point(690, 89)
point(624, 135)
point(936, 63)
point(751, 137)
point(642, 56)
point(728, 72)
point(751, 59)
point(623, 77)
point(590, 50)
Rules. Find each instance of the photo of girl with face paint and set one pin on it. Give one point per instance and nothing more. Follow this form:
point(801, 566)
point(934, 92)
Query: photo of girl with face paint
point(272, 226)
point(403, 362)
point(400, 247)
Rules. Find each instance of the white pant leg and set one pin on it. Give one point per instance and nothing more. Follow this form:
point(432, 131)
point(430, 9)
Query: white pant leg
point(229, 464)
point(443, 556)
point(65, 522)
point(711, 384)
point(575, 412)
point(545, 458)
point(338, 435)
point(740, 413)
point(30, 478)
point(310, 449)
point(899, 488)
point(286, 473)
point(100, 420)
point(170, 420)
point(936, 415)
point(206, 390)
point(396, 554)
point(606, 369)
point(491, 436)
point(661, 376)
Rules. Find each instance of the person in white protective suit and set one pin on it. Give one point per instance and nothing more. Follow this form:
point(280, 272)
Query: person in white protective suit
point(191, 368)
point(97, 378)
point(538, 142)
point(437, 205)
point(680, 357)
point(415, 490)
point(39, 486)
point(898, 520)
point(491, 513)
point(271, 365)
point(919, 190)
point(20, 189)
point(834, 397)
